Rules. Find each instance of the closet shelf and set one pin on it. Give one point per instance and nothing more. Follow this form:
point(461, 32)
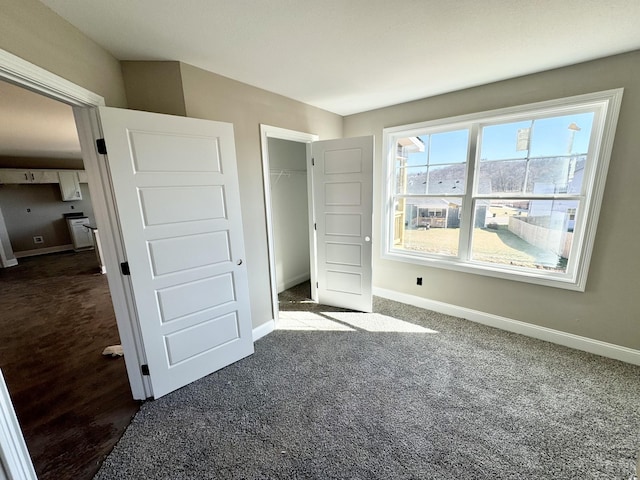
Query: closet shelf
point(285, 173)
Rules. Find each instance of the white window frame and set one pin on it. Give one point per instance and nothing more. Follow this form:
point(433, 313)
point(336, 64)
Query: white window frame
point(606, 105)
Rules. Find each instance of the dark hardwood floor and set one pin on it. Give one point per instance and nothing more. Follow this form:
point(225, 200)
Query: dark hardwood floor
point(72, 402)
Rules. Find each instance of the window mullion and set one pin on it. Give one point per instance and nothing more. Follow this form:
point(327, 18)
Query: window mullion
point(466, 222)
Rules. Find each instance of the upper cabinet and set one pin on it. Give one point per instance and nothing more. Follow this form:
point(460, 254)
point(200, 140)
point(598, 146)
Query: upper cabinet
point(69, 180)
point(69, 185)
point(16, 175)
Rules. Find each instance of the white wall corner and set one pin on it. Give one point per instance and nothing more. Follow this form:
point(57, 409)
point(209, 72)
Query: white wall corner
point(609, 350)
point(263, 330)
point(16, 462)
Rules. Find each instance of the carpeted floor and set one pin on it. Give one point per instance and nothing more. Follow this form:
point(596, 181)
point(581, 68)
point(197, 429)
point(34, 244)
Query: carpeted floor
point(403, 393)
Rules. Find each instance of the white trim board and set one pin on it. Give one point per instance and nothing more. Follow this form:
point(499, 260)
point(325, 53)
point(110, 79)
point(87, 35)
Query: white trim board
point(266, 132)
point(25, 74)
point(43, 251)
point(609, 350)
point(263, 330)
point(16, 463)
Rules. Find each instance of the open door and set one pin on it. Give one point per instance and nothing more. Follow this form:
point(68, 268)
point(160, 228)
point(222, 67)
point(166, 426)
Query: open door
point(176, 191)
point(343, 208)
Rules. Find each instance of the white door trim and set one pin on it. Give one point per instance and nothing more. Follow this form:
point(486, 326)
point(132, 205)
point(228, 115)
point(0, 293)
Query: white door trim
point(25, 74)
point(22, 73)
point(16, 463)
point(104, 210)
point(266, 132)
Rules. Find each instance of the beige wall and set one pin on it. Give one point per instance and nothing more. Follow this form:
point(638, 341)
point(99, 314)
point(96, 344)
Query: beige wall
point(214, 97)
point(608, 310)
point(31, 210)
point(34, 33)
point(154, 87)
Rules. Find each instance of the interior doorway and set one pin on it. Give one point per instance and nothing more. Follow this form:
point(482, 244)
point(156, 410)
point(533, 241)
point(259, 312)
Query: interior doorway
point(288, 201)
point(289, 212)
point(72, 402)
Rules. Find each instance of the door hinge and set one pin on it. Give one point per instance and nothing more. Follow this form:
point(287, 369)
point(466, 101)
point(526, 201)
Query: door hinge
point(313, 162)
point(145, 369)
point(315, 226)
point(317, 286)
point(124, 268)
point(102, 146)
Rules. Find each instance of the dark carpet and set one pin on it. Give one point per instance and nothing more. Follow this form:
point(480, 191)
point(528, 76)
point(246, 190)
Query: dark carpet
point(402, 393)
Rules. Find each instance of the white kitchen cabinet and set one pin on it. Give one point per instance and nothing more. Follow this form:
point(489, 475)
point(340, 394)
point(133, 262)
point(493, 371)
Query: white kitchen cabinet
point(82, 176)
point(69, 185)
point(10, 175)
point(18, 175)
point(81, 235)
point(44, 176)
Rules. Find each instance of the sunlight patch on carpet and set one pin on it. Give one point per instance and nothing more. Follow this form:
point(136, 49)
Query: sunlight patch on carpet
point(309, 321)
point(376, 322)
point(346, 322)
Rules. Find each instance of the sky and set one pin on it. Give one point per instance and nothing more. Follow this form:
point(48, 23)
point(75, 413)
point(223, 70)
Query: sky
point(548, 137)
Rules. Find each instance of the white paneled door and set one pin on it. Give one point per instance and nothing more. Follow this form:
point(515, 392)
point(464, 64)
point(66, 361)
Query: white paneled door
point(176, 191)
point(343, 202)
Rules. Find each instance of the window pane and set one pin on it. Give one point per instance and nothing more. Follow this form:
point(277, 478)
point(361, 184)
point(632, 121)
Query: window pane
point(449, 147)
point(428, 225)
point(411, 180)
point(550, 175)
point(506, 176)
point(500, 142)
point(447, 179)
point(412, 151)
point(565, 135)
point(524, 233)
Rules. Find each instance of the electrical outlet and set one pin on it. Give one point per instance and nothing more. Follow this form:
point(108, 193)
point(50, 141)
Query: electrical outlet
point(419, 281)
point(38, 239)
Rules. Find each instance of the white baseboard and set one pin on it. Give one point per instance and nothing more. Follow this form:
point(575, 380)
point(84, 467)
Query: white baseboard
point(292, 282)
point(610, 350)
point(43, 251)
point(11, 263)
point(264, 329)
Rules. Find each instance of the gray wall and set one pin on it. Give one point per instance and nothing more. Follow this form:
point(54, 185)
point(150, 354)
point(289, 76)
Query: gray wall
point(44, 218)
point(42, 162)
point(289, 211)
point(214, 97)
point(608, 310)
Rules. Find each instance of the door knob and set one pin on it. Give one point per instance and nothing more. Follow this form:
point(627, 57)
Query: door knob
point(367, 238)
point(239, 262)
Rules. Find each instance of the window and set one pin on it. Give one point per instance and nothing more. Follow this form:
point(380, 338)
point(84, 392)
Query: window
point(513, 193)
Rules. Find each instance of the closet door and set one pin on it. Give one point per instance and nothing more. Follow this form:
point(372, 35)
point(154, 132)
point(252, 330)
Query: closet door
point(343, 211)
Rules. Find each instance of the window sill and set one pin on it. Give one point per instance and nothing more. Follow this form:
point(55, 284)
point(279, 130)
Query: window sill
point(559, 280)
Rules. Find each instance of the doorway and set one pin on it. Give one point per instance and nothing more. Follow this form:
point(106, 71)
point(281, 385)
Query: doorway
point(72, 403)
point(288, 202)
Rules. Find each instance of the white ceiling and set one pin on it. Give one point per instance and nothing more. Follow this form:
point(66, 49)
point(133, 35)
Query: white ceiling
point(345, 56)
point(32, 125)
point(349, 56)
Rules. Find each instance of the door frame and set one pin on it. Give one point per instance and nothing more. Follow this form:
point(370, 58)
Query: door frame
point(266, 132)
point(24, 74)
